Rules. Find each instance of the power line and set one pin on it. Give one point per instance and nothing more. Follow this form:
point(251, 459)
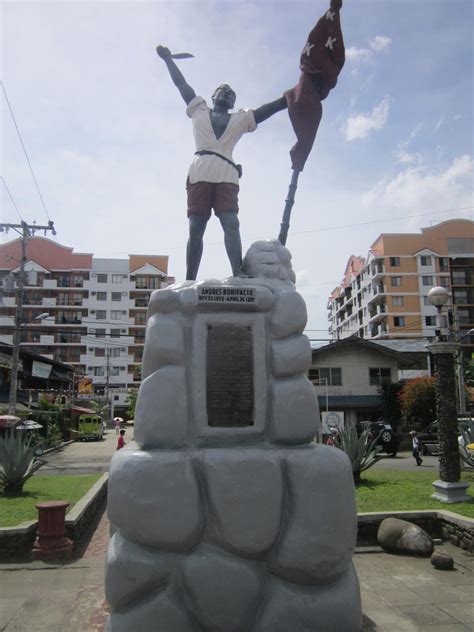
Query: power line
point(24, 149)
point(11, 198)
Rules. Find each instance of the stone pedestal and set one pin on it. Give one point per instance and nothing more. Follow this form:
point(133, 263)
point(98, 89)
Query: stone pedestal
point(451, 492)
point(229, 517)
point(51, 542)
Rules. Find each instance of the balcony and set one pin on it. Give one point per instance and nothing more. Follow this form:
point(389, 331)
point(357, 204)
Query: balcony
point(50, 284)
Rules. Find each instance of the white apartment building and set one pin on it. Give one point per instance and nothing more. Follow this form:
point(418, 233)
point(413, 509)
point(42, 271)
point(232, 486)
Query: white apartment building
point(85, 311)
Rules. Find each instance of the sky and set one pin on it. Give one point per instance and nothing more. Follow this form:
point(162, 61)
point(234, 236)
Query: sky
point(109, 142)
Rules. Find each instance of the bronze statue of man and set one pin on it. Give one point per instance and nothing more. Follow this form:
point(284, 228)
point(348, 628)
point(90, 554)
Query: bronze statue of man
point(213, 177)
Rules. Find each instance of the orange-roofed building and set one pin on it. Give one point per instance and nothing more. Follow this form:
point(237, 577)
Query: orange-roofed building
point(82, 310)
point(385, 295)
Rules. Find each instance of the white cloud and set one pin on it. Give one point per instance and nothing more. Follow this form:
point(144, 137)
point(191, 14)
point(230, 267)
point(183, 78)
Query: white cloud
point(360, 125)
point(422, 189)
point(380, 43)
point(358, 54)
point(403, 155)
point(377, 44)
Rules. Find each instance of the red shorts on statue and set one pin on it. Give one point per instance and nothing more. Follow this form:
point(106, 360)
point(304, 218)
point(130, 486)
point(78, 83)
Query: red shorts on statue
point(205, 196)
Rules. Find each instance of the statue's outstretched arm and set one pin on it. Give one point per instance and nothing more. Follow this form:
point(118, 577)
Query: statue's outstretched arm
point(269, 109)
point(179, 81)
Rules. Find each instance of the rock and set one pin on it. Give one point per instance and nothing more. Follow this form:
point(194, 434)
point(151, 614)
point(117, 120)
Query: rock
point(442, 560)
point(222, 591)
point(295, 411)
point(289, 314)
point(154, 499)
point(400, 536)
point(164, 301)
point(291, 356)
point(164, 343)
point(246, 492)
point(319, 535)
point(161, 416)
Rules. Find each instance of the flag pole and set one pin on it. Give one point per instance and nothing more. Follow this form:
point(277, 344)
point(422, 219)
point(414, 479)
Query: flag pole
point(290, 200)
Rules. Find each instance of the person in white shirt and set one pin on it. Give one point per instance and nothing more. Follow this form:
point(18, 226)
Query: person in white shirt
point(213, 177)
point(416, 447)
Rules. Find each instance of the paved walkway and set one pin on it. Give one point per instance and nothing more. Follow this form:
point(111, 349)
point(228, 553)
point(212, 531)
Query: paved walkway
point(400, 594)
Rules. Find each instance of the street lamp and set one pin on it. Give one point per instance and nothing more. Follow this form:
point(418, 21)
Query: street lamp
point(449, 489)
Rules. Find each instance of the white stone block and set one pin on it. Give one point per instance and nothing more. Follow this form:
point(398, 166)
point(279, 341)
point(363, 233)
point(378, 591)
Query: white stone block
point(164, 301)
point(154, 499)
point(320, 534)
point(332, 607)
point(133, 571)
point(246, 489)
point(291, 356)
point(222, 591)
point(162, 613)
point(161, 416)
point(295, 411)
point(289, 315)
point(164, 343)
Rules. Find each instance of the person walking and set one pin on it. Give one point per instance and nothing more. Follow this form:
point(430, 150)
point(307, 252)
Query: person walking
point(121, 440)
point(416, 447)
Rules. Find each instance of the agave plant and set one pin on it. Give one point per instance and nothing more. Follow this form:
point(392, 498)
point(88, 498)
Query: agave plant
point(361, 450)
point(17, 461)
point(467, 455)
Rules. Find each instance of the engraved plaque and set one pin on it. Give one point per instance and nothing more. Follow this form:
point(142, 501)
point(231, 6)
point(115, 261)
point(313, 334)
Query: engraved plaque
point(230, 393)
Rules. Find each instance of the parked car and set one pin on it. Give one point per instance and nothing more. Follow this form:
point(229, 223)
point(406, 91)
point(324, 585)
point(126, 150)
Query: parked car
point(429, 436)
point(387, 437)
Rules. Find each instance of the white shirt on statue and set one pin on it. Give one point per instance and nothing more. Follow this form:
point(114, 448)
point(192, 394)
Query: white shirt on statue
point(212, 168)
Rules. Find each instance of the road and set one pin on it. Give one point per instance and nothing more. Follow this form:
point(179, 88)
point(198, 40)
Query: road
point(83, 457)
point(405, 462)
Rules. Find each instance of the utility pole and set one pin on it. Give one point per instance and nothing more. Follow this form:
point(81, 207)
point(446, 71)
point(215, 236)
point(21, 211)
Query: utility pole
point(107, 380)
point(25, 230)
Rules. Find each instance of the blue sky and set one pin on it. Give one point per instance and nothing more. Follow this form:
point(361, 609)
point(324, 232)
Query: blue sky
point(110, 144)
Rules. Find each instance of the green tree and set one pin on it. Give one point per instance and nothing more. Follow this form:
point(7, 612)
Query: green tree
point(391, 403)
point(132, 402)
point(418, 401)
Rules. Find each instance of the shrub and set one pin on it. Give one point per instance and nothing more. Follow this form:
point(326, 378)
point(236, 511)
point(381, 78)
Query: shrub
point(17, 461)
point(418, 401)
point(362, 452)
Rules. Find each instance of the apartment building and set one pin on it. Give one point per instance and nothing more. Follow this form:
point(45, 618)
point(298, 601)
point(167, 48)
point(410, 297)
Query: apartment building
point(385, 295)
point(85, 311)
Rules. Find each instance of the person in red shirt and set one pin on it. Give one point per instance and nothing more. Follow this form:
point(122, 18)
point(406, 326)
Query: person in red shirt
point(121, 441)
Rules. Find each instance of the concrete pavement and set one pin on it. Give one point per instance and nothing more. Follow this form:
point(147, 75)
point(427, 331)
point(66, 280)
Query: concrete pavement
point(400, 594)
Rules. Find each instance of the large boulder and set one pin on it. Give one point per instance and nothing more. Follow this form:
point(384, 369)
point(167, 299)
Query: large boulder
point(400, 536)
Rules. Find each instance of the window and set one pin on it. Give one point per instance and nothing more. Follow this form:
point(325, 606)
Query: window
point(101, 314)
point(444, 282)
point(425, 261)
point(116, 296)
point(396, 281)
point(99, 353)
point(379, 376)
point(395, 262)
point(115, 352)
point(399, 321)
point(100, 333)
point(427, 280)
point(397, 301)
point(430, 321)
point(140, 319)
point(331, 376)
point(115, 333)
point(114, 370)
point(459, 277)
point(117, 278)
point(99, 370)
point(461, 297)
point(101, 296)
point(102, 278)
point(426, 301)
point(443, 264)
point(116, 314)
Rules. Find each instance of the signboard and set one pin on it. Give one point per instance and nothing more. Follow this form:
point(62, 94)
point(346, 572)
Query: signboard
point(41, 369)
point(85, 388)
point(333, 420)
point(230, 392)
point(226, 294)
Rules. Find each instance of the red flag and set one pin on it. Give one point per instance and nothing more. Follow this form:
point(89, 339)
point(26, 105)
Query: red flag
point(321, 62)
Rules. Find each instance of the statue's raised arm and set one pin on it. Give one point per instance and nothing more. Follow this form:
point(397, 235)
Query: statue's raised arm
point(179, 81)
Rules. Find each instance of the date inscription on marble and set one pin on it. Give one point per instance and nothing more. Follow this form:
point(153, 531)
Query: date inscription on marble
point(230, 391)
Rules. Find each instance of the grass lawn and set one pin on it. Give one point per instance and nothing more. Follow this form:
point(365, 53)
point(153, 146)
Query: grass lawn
point(37, 489)
point(383, 490)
